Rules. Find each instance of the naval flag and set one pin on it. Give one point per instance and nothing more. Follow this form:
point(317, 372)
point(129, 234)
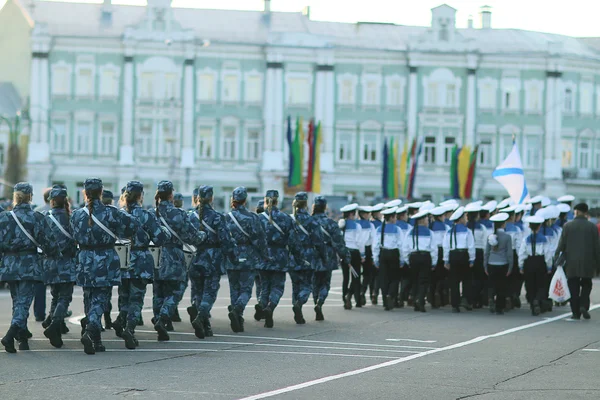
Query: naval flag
point(510, 175)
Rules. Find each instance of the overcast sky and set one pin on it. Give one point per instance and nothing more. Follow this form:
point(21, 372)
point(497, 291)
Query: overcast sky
point(572, 17)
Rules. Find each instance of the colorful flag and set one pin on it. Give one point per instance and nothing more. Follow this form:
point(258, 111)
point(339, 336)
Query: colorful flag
point(390, 169)
point(403, 167)
point(454, 185)
point(290, 151)
point(464, 159)
point(413, 171)
point(409, 165)
point(316, 181)
point(396, 173)
point(510, 174)
point(471, 176)
point(385, 172)
point(311, 156)
point(297, 150)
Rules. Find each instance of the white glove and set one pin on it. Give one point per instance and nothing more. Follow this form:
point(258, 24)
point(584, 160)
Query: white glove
point(342, 223)
point(493, 240)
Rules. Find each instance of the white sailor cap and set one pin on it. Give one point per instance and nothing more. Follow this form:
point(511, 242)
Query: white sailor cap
point(542, 213)
point(536, 199)
point(451, 207)
point(448, 202)
point(534, 219)
point(417, 205)
point(528, 207)
point(365, 209)
point(551, 212)
point(389, 211)
point(438, 211)
point(563, 208)
point(377, 207)
point(504, 203)
point(427, 206)
point(403, 209)
point(393, 203)
point(490, 206)
point(473, 207)
point(420, 214)
point(519, 208)
point(500, 217)
point(457, 214)
point(546, 201)
point(566, 198)
point(349, 207)
point(509, 210)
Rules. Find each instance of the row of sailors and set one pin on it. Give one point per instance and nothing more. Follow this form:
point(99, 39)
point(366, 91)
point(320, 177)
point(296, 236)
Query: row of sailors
point(430, 250)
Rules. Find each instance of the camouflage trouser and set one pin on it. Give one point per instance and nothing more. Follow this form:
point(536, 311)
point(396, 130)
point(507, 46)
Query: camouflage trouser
point(301, 286)
point(165, 297)
point(22, 293)
point(131, 298)
point(108, 306)
point(321, 283)
point(181, 291)
point(62, 295)
point(240, 288)
point(272, 286)
point(205, 295)
point(257, 283)
point(98, 301)
point(193, 293)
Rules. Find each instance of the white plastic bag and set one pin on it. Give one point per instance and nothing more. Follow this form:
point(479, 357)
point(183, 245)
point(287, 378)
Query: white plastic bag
point(559, 289)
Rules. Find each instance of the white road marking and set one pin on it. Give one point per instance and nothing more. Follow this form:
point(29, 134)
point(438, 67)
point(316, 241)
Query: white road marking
point(404, 359)
point(411, 340)
point(590, 350)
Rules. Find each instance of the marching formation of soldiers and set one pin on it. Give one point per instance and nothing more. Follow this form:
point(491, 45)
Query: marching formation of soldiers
point(468, 257)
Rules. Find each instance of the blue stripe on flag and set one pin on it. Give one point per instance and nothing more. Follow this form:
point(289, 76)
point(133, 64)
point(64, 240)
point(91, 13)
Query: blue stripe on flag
point(524, 195)
point(507, 171)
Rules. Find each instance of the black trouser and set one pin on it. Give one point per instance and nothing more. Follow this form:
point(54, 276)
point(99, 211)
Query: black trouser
point(369, 274)
point(480, 295)
point(351, 283)
point(389, 273)
point(536, 280)
point(580, 289)
point(515, 280)
point(439, 284)
point(420, 271)
point(497, 284)
point(459, 273)
point(405, 284)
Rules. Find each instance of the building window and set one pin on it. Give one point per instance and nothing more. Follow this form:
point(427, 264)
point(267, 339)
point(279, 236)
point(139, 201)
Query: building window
point(368, 148)
point(451, 95)
point(345, 145)
point(432, 95)
point(59, 136)
point(144, 138)
point(567, 153)
point(487, 97)
point(253, 148)
point(107, 137)
point(532, 155)
point(253, 89)
point(60, 81)
point(147, 85)
point(449, 143)
point(83, 135)
point(85, 82)
point(568, 100)
point(394, 93)
point(429, 150)
point(486, 153)
point(206, 87)
point(586, 101)
point(583, 159)
point(109, 84)
point(507, 145)
point(229, 141)
point(510, 99)
point(371, 97)
point(347, 92)
point(534, 102)
point(443, 33)
point(171, 91)
point(298, 91)
point(168, 136)
point(205, 141)
point(231, 88)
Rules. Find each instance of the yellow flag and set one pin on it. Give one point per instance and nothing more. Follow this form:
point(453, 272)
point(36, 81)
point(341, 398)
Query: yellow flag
point(402, 172)
point(396, 172)
point(464, 161)
point(316, 184)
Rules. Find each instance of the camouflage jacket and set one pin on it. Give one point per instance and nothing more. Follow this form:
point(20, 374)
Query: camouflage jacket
point(281, 244)
point(335, 248)
point(21, 261)
point(211, 256)
point(172, 260)
point(313, 245)
point(60, 265)
point(98, 263)
point(252, 249)
point(141, 262)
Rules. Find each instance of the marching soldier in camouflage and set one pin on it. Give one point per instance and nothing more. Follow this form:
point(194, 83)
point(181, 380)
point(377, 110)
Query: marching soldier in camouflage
point(172, 271)
point(248, 233)
point(335, 249)
point(60, 268)
point(140, 270)
point(308, 232)
point(209, 263)
point(279, 229)
point(260, 208)
point(178, 203)
point(99, 265)
point(178, 200)
point(192, 310)
point(108, 199)
point(21, 264)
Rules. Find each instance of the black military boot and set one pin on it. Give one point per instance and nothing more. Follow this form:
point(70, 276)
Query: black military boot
point(389, 303)
point(348, 301)
point(23, 340)
point(241, 324)
point(83, 323)
point(176, 317)
point(198, 325)
point(8, 341)
point(192, 312)
point(120, 323)
point(535, 308)
point(161, 328)
point(63, 328)
point(98, 343)
point(53, 332)
point(128, 335)
point(107, 320)
point(517, 302)
point(140, 321)
point(46, 323)
point(492, 304)
point(208, 329)
point(88, 343)
point(298, 317)
point(235, 319)
point(319, 312)
point(268, 317)
point(259, 312)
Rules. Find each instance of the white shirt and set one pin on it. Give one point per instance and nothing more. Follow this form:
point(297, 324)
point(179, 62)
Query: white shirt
point(419, 240)
point(353, 236)
point(543, 247)
point(459, 238)
point(392, 239)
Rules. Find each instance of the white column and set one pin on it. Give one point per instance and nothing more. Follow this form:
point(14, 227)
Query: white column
point(278, 113)
point(126, 150)
point(471, 109)
point(549, 127)
point(412, 104)
point(187, 152)
point(325, 112)
point(558, 95)
point(273, 118)
point(39, 150)
point(35, 100)
point(44, 101)
point(268, 109)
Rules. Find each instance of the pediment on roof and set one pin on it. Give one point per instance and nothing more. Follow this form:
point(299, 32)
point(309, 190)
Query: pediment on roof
point(159, 24)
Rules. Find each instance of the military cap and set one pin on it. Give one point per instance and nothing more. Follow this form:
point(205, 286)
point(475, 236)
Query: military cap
point(500, 217)
point(205, 192)
point(195, 192)
point(320, 201)
point(124, 189)
point(438, 211)
point(301, 196)
point(377, 208)
point(24, 187)
point(402, 210)
point(563, 208)
point(349, 208)
point(389, 211)
point(393, 203)
point(240, 194)
point(534, 219)
point(566, 198)
point(274, 194)
point(457, 214)
point(420, 215)
point(490, 206)
point(365, 209)
point(427, 206)
point(57, 192)
point(260, 204)
point(165, 186)
point(536, 200)
point(92, 184)
point(107, 194)
point(473, 207)
point(134, 187)
point(178, 196)
point(509, 210)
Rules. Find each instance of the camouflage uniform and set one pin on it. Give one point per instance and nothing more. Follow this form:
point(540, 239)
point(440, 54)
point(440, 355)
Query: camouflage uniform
point(192, 309)
point(99, 266)
point(60, 268)
point(108, 199)
point(308, 233)
point(252, 251)
point(141, 268)
point(260, 208)
point(168, 278)
point(21, 264)
point(335, 249)
point(281, 242)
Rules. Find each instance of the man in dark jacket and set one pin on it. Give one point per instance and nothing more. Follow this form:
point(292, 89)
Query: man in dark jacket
point(580, 243)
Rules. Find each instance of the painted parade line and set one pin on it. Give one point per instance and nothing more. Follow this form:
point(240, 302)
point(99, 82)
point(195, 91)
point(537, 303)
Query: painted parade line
point(411, 340)
point(591, 350)
point(386, 364)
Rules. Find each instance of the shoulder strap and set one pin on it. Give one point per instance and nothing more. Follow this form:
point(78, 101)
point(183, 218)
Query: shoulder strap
point(274, 224)
point(235, 221)
point(164, 222)
point(12, 213)
point(59, 225)
point(382, 232)
point(299, 226)
point(208, 228)
point(101, 225)
point(325, 231)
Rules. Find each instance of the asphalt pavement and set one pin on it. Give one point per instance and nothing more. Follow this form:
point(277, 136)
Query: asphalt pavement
point(364, 353)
